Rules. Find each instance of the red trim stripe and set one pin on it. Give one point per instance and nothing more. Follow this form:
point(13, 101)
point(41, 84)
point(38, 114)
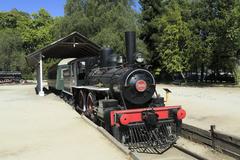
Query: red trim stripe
point(135, 115)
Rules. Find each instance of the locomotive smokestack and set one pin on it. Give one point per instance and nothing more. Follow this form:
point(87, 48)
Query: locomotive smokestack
point(106, 53)
point(130, 40)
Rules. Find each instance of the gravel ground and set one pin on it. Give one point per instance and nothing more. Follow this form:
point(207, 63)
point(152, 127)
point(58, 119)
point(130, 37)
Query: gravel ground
point(39, 128)
point(202, 150)
point(33, 127)
point(207, 106)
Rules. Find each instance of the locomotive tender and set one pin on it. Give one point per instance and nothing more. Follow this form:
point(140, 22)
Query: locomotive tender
point(121, 97)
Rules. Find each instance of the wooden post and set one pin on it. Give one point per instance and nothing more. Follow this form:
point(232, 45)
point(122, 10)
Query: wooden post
point(212, 128)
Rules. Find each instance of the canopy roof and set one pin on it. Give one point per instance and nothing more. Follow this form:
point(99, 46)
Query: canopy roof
point(74, 45)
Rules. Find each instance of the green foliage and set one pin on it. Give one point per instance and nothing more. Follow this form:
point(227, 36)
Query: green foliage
point(183, 35)
point(113, 24)
point(73, 6)
point(36, 32)
point(11, 19)
point(167, 36)
point(175, 36)
point(173, 44)
point(103, 21)
point(20, 34)
point(10, 50)
point(216, 23)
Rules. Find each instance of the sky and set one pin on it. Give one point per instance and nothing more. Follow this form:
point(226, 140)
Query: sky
point(54, 7)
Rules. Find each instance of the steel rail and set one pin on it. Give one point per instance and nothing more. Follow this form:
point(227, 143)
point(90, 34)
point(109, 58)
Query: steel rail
point(227, 144)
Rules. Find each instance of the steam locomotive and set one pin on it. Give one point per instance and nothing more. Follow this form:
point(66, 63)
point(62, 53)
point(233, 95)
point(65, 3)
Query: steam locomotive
point(119, 96)
point(10, 77)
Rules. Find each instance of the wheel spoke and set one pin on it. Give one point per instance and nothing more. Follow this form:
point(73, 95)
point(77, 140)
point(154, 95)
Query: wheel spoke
point(90, 108)
point(81, 102)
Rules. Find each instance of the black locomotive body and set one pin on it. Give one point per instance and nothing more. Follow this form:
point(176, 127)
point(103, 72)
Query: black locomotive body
point(122, 98)
point(132, 86)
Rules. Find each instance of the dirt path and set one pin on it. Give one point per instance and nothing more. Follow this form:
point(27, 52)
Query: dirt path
point(208, 105)
point(39, 128)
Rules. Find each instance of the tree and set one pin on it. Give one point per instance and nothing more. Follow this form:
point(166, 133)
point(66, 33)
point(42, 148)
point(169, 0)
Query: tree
point(11, 53)
point(202, 40)
point(209, 31)
point(166, 35)
point(103, 21)
point(113, 23)
point(20, 34)
point(36, 32)
point(73, 6)
point(214, 24)
point(234, 34)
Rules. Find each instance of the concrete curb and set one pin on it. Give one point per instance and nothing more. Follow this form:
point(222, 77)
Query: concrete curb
point(119, 145)
point(134, 156)
point(113, 140)
point(89, 121)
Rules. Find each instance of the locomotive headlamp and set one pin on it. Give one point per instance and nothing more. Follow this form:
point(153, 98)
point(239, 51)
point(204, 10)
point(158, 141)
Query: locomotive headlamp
point(141, 85)
point(139, 58)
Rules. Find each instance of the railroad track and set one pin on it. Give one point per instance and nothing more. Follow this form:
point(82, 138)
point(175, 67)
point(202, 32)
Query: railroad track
point(177, 152)
point(185, 150)
point(173, 153)
point(227, 144)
